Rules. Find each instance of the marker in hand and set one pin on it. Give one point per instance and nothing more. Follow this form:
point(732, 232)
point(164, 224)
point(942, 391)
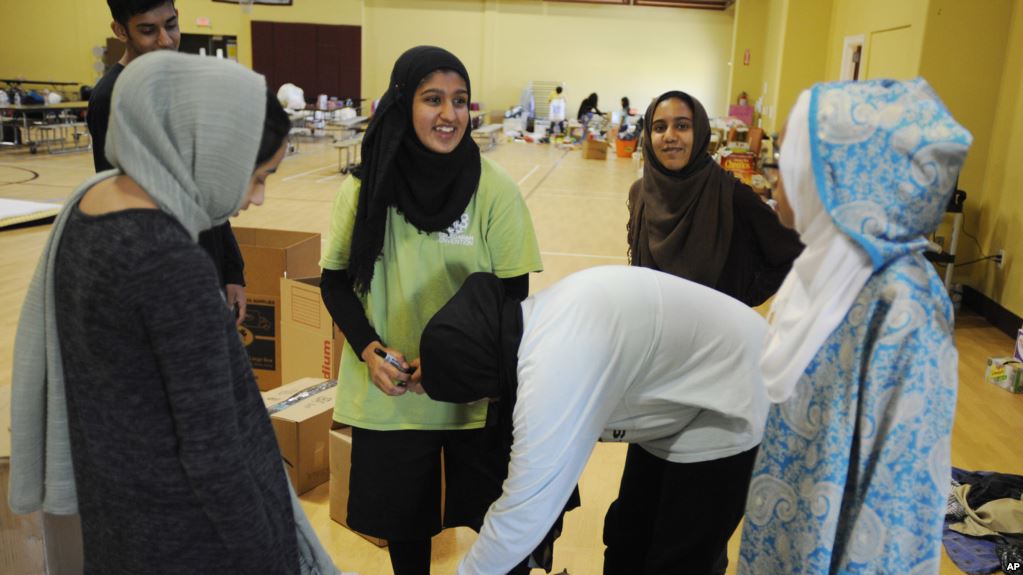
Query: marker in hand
point(394, 361)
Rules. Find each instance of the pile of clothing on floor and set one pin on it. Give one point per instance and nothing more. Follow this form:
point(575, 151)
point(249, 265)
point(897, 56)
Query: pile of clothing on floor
point(984, 522)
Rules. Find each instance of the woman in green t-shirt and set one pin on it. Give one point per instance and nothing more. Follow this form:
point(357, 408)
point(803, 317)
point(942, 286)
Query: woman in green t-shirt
point(423, 211)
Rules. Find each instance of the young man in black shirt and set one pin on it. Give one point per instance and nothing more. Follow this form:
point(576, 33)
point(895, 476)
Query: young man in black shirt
point(145, 26)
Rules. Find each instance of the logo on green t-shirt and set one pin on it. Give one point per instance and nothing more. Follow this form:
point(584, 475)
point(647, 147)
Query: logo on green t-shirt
point(455, 233)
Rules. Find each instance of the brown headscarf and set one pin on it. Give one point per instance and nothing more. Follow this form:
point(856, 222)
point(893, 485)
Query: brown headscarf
point(681, 222)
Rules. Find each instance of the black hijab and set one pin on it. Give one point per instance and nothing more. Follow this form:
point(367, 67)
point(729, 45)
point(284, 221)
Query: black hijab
point(469, 352)
point(681, 222)
point(430, 189)
point(469, 349)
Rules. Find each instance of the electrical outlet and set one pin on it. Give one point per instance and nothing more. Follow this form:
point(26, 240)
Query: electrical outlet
point(1000, 259)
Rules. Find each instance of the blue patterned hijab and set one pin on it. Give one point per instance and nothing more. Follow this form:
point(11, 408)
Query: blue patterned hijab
point(868, 169)
point(886, 158)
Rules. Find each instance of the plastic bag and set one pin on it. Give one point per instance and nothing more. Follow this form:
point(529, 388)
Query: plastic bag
point(291, 97)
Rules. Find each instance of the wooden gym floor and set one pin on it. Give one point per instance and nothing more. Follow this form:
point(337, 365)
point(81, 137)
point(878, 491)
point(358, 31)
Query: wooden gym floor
point(579, 212)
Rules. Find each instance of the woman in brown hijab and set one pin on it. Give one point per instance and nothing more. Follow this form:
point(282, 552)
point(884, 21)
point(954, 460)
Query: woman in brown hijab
point(690, 218)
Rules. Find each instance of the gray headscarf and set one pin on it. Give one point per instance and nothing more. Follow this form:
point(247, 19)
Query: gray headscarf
point(187, 130)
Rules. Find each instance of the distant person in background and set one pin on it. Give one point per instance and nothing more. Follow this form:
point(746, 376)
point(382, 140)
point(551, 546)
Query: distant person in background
point(587, 108)
point(555, 93)
point(628, 116)
point(147, 26)
point(557, 110)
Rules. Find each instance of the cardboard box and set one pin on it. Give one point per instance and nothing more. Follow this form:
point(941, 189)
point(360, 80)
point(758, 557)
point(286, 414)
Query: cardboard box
point(594, 149)
point(756, 136)
point(1005, 372)
point(310, 342)
point(270, 255)
point(340, 466)
point(300, 413)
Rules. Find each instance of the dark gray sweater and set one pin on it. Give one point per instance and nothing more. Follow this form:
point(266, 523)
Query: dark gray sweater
point(176, 465)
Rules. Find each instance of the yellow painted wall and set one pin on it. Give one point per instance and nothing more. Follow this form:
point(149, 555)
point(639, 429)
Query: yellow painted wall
point(750, 33)
point(867, 17)
point(969, 52)
point(230, 20)
point(891, 54)
point(54, 39)
point(804, 53)
point(773, 50)
point(968, 75)
point(802, 50)
point(392, 26)
point(614, 51)
point(995, 215)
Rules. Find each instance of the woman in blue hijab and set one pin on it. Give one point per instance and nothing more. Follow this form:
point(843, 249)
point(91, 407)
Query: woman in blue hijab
point(854, 467)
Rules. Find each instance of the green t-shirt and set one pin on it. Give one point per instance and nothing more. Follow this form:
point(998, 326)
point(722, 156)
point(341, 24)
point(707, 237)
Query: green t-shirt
point(416, 276)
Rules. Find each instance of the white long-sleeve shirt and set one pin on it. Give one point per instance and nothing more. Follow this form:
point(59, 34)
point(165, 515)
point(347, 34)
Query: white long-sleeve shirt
point(625, 354)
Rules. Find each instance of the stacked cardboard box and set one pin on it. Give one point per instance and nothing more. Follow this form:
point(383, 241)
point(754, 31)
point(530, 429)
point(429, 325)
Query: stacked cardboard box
point(270, 255)
point(594, 149)
point(300, 413)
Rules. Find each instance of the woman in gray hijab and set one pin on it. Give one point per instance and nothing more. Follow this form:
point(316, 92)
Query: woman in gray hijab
point(133, 402)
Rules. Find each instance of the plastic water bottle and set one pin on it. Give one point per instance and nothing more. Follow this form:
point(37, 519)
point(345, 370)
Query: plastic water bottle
point(4, 98)
point(17, 98)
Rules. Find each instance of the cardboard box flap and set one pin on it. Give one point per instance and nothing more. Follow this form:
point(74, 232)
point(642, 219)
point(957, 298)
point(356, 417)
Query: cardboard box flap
point(317, 402)
point(310, 343)
point(275, 239)
point(297, 401)
point(304, 302)
point(272, 254)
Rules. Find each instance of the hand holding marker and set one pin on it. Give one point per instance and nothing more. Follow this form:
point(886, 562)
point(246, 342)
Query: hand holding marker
point(394, 361)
